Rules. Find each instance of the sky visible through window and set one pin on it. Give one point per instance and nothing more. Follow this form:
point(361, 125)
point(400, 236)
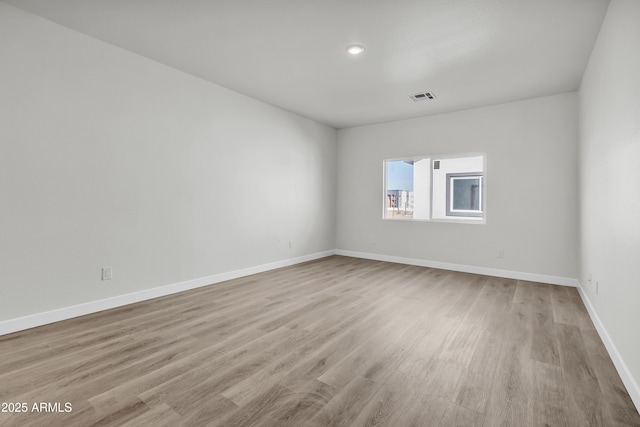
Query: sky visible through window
point(399, 175)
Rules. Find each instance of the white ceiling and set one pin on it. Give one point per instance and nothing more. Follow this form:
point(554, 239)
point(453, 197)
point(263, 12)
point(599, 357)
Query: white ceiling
point(291, 53)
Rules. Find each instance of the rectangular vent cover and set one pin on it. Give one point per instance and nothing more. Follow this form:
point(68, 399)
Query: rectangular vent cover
point(422, 96)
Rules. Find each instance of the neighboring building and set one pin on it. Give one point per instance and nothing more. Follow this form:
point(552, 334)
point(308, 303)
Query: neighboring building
point(400, 200)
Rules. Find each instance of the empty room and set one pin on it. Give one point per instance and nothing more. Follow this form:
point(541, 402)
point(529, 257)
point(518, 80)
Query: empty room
point(330, 213)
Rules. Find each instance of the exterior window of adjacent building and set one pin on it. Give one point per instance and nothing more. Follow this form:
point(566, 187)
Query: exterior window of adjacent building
point(438, 188)
point(464, 194)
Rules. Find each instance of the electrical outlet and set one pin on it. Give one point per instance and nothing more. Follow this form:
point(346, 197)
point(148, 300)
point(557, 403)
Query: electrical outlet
point(500, 253)
point(290, 244)
point(597, 287)
point(107, 273)
point(589, 279)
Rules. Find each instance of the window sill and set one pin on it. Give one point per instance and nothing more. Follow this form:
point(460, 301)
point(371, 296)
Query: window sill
point(477, 221)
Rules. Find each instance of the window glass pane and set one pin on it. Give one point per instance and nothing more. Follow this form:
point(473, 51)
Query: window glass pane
point(399, 203)
point(444, 188)
point(466, 194)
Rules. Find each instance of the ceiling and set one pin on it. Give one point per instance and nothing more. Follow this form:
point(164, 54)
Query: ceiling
point(292, 53)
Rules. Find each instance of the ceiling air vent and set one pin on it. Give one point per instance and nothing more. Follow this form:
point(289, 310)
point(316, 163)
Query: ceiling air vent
point(422, 96)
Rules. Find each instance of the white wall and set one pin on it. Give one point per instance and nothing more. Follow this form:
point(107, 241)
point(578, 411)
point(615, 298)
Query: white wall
point(111, 159)
point(531, 179)
point(421, 187)
point(610, 179)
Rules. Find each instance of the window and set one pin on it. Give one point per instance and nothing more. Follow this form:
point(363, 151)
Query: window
point(445, 188)
point(464, 194)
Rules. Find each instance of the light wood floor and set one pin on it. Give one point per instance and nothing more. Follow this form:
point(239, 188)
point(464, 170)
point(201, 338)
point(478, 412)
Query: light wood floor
point(339, 341)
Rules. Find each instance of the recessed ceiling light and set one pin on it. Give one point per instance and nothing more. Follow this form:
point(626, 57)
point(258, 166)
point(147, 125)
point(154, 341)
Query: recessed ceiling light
point(355, 49)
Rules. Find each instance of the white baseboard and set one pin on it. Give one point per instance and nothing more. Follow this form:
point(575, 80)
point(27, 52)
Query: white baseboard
point(531, 277)
point(39, 319)
point(627, 379)
point(630, 383)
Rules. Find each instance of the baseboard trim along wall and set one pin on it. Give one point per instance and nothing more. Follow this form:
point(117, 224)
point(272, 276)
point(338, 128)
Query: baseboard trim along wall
point(627, 379)
point(531, 277)
point(40, 319)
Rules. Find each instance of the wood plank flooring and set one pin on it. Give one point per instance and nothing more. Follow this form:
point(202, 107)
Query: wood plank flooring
point(334, 342)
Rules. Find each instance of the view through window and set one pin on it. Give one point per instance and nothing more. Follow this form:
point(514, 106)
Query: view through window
point(435, 188)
